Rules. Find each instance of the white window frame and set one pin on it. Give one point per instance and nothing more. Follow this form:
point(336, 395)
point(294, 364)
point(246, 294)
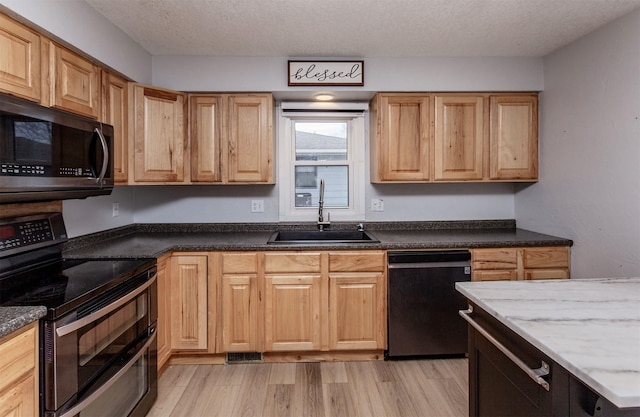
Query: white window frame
point(356, 137)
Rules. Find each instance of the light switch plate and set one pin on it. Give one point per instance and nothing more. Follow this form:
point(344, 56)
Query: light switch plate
point(115, 209)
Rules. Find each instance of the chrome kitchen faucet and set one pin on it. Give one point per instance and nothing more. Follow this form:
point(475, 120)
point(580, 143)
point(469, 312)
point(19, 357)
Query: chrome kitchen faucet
point(321, 223)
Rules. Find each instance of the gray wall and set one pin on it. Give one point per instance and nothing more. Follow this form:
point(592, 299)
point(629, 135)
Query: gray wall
point(589, 189)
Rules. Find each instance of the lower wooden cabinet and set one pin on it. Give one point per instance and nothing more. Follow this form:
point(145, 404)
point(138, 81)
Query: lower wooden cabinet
point(19, 373)
point(288, 301)
point(163, 331)
point(240, 302)
point(189, 302)
point(357, 318)
point(501, 264)
point(294, 305)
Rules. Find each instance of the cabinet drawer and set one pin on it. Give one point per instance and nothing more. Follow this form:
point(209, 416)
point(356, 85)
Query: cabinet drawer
point(547, 274)
point(239, 263)
point(17, 356)
point(504, 258)
point(498, 275)
point(373, 261)
point(552, 257)
point(292, 262)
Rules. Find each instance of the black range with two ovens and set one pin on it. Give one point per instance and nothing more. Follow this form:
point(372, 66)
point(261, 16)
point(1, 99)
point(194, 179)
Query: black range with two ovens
point(98, 338)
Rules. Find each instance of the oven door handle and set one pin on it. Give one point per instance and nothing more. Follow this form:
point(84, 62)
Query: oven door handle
point(97, 315)
point(75, 410)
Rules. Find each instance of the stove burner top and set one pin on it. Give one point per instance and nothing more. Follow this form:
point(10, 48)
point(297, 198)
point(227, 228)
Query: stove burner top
point(47, 294)
point(64, 285)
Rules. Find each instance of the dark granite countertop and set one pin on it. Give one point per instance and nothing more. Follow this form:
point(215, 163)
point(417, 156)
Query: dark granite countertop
point(148, 241)
point(154, 240)
point(14, 318)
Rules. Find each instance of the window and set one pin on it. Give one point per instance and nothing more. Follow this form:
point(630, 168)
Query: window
point(316, 146)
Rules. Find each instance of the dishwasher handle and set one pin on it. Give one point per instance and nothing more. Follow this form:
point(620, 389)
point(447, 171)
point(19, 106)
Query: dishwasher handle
point(428, 256)
point(427, 265)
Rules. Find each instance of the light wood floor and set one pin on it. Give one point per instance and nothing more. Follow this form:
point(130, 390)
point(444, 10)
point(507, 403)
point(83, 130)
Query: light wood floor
point(425, 388)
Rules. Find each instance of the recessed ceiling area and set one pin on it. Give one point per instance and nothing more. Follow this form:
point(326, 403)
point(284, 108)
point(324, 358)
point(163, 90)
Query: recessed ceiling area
point(359, 28)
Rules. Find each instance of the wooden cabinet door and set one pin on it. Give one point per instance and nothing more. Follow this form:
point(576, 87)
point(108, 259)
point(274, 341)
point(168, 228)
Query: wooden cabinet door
point(239, 313)
point(164, 311)
point(240, 302)
point(19, 373)
point(459, 138)
point(159, 135)
point(249, 147)
point(514, 137)
point(292, 312)
point(115, 108)
point(20, 67)
point(206, 129)
point(189, 310)
point(75, 82)
point(357, 313)
point(400, 149)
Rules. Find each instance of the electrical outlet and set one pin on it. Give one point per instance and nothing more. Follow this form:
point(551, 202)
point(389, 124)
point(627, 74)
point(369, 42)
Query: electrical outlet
point(115, 209)
point(377, 204)
point(257, 206)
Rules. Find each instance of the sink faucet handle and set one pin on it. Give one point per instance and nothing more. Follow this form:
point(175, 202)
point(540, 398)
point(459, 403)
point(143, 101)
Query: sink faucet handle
point(360, 227)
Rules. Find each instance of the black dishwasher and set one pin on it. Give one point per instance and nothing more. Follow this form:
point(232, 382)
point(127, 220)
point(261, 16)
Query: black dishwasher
point(423, 304)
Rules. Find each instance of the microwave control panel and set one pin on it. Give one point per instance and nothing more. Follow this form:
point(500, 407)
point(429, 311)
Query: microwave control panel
point(23, 170)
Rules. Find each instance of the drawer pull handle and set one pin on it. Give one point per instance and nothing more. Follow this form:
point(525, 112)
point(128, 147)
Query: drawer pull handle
point(535, 374)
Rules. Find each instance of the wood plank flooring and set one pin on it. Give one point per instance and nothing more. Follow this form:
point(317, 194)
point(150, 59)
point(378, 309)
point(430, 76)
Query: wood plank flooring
point(420, 388)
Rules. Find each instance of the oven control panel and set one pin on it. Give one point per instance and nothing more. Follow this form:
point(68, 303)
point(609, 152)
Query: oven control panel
point(25, 233)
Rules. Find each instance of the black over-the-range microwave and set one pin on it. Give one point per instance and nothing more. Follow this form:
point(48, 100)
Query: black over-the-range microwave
point(49, 154)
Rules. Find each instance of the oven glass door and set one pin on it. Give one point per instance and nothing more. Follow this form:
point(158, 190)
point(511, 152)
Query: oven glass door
point(88, 347)
point(119, 391)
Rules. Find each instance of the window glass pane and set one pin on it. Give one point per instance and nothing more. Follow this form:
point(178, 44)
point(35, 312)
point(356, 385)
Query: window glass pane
point(336, 185)
point(318, 141)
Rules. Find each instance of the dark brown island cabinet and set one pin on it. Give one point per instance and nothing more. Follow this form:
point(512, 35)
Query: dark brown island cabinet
point(508, 376)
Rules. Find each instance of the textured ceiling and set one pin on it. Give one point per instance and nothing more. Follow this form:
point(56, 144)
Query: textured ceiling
point(359, 28)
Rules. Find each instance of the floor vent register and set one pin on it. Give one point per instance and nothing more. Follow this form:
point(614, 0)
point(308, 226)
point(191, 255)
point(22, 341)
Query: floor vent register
point(244, 357)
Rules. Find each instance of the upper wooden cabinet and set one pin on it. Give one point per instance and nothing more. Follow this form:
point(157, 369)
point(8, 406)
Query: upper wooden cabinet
point(74, 82)
point(20, 69)
point(232, 138)
point(514, 137)
point(205, 122)
point(159, 139)
point(115, 108)
point(472, 137)
point(400, 129)
point(459, 136)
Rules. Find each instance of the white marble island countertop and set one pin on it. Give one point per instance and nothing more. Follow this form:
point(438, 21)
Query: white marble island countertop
point(591, 327)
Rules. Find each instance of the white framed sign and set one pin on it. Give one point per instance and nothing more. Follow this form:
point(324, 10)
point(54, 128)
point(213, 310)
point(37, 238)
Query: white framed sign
point(331, 73)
